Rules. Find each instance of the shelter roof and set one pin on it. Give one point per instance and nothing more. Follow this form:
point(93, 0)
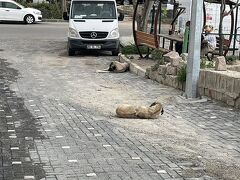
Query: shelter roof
point(233, 2)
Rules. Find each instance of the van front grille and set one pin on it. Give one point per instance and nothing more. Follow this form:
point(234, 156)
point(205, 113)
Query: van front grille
point(93, 34)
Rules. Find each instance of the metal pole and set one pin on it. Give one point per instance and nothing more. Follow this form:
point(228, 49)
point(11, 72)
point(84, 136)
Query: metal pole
point(152, 22)
point(235, 30)
point(160, 18)
point(193, 64)
point(221, 37)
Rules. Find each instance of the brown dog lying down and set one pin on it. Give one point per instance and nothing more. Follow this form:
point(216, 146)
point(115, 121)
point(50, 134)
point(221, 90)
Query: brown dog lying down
point(118, 67)
point(143, 112)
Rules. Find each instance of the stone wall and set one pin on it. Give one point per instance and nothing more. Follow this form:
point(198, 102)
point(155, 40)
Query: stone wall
point(221, 85)
point(234, 68)
point(167, 74)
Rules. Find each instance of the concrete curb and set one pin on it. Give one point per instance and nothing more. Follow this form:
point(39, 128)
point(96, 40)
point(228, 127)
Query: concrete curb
point(134, 68)
point(54, 20)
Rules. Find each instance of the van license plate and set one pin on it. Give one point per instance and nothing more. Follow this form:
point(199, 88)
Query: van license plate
point(93, 46)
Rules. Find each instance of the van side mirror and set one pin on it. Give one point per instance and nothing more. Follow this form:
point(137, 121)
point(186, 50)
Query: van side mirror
point(65, 16)
point(120, 17)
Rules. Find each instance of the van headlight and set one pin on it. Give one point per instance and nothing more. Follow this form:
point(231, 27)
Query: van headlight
point(114, 33)
point(73, 33)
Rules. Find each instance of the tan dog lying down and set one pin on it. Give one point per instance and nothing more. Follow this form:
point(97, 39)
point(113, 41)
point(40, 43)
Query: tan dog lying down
point(143, 112)
point(118, 67)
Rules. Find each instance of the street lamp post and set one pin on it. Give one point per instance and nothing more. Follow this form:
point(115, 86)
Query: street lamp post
point(193, 64)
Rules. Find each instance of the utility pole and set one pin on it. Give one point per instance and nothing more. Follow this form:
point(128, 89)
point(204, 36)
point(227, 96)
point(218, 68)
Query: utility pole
point(193, 64)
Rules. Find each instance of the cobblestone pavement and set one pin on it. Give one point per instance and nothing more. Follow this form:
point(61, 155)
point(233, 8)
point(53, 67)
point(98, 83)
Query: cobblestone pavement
point(58, 123)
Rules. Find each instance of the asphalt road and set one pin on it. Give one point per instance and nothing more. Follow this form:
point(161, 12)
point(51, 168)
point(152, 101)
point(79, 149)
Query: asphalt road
point(46, 30)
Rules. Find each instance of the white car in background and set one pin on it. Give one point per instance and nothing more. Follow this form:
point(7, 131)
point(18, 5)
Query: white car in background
point(12, 11)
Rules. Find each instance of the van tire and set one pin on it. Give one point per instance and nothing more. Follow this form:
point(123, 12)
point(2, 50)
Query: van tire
point(29, 19)
point(115, 52)
point(71, 52)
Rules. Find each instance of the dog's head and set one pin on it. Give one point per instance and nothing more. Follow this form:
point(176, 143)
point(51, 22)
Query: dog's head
point(159, 105)
point(112, 67)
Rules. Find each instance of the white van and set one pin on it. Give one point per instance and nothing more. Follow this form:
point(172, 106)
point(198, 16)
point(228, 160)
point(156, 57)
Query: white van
point(93, 25)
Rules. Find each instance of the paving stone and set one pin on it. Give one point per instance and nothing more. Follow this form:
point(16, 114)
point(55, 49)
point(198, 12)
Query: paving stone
point(16, 162)
point(29, 177)
point(72, 160)
point(14, 148)
point(106, 145)
point(97, 135)
point(161, 171)
point(66, 147)
point(11, 130)
point(91, 174)
point(13, 137)
point(59, 137)
point(136, 158)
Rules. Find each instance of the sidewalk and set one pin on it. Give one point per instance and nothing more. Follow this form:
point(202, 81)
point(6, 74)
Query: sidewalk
point(216, 125)
point(58, 122)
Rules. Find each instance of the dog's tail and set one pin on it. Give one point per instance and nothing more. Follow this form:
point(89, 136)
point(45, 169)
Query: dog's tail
point(155, 103)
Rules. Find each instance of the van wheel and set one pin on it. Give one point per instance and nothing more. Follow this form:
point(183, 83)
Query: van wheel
point(71, 52)
point(115, 52)
point(29, 19)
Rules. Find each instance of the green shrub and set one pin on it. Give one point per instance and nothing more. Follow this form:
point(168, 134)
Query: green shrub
point(231, 58)
point(182, 74)
point(210, 65)
point(203, 64)
point(157, 55)
point(206, 64)
point(132, 49)
point(49, 11)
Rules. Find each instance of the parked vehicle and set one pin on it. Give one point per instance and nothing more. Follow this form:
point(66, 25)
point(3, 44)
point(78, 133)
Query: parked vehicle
point(93, 25)
point(13, 11)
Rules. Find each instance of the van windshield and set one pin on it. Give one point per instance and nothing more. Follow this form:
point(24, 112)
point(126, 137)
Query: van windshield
point(93, 10)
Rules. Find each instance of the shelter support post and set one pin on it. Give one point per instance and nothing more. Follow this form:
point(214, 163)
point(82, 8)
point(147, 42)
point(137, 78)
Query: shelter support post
point(193, 65)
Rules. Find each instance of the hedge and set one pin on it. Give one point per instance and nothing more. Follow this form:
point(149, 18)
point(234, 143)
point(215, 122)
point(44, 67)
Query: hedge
point(49, 11)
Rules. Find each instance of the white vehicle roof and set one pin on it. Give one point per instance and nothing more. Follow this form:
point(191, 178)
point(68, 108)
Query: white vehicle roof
point(7, 1)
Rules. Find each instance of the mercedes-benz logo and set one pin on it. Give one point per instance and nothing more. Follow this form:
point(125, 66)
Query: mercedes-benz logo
point(93, 35)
